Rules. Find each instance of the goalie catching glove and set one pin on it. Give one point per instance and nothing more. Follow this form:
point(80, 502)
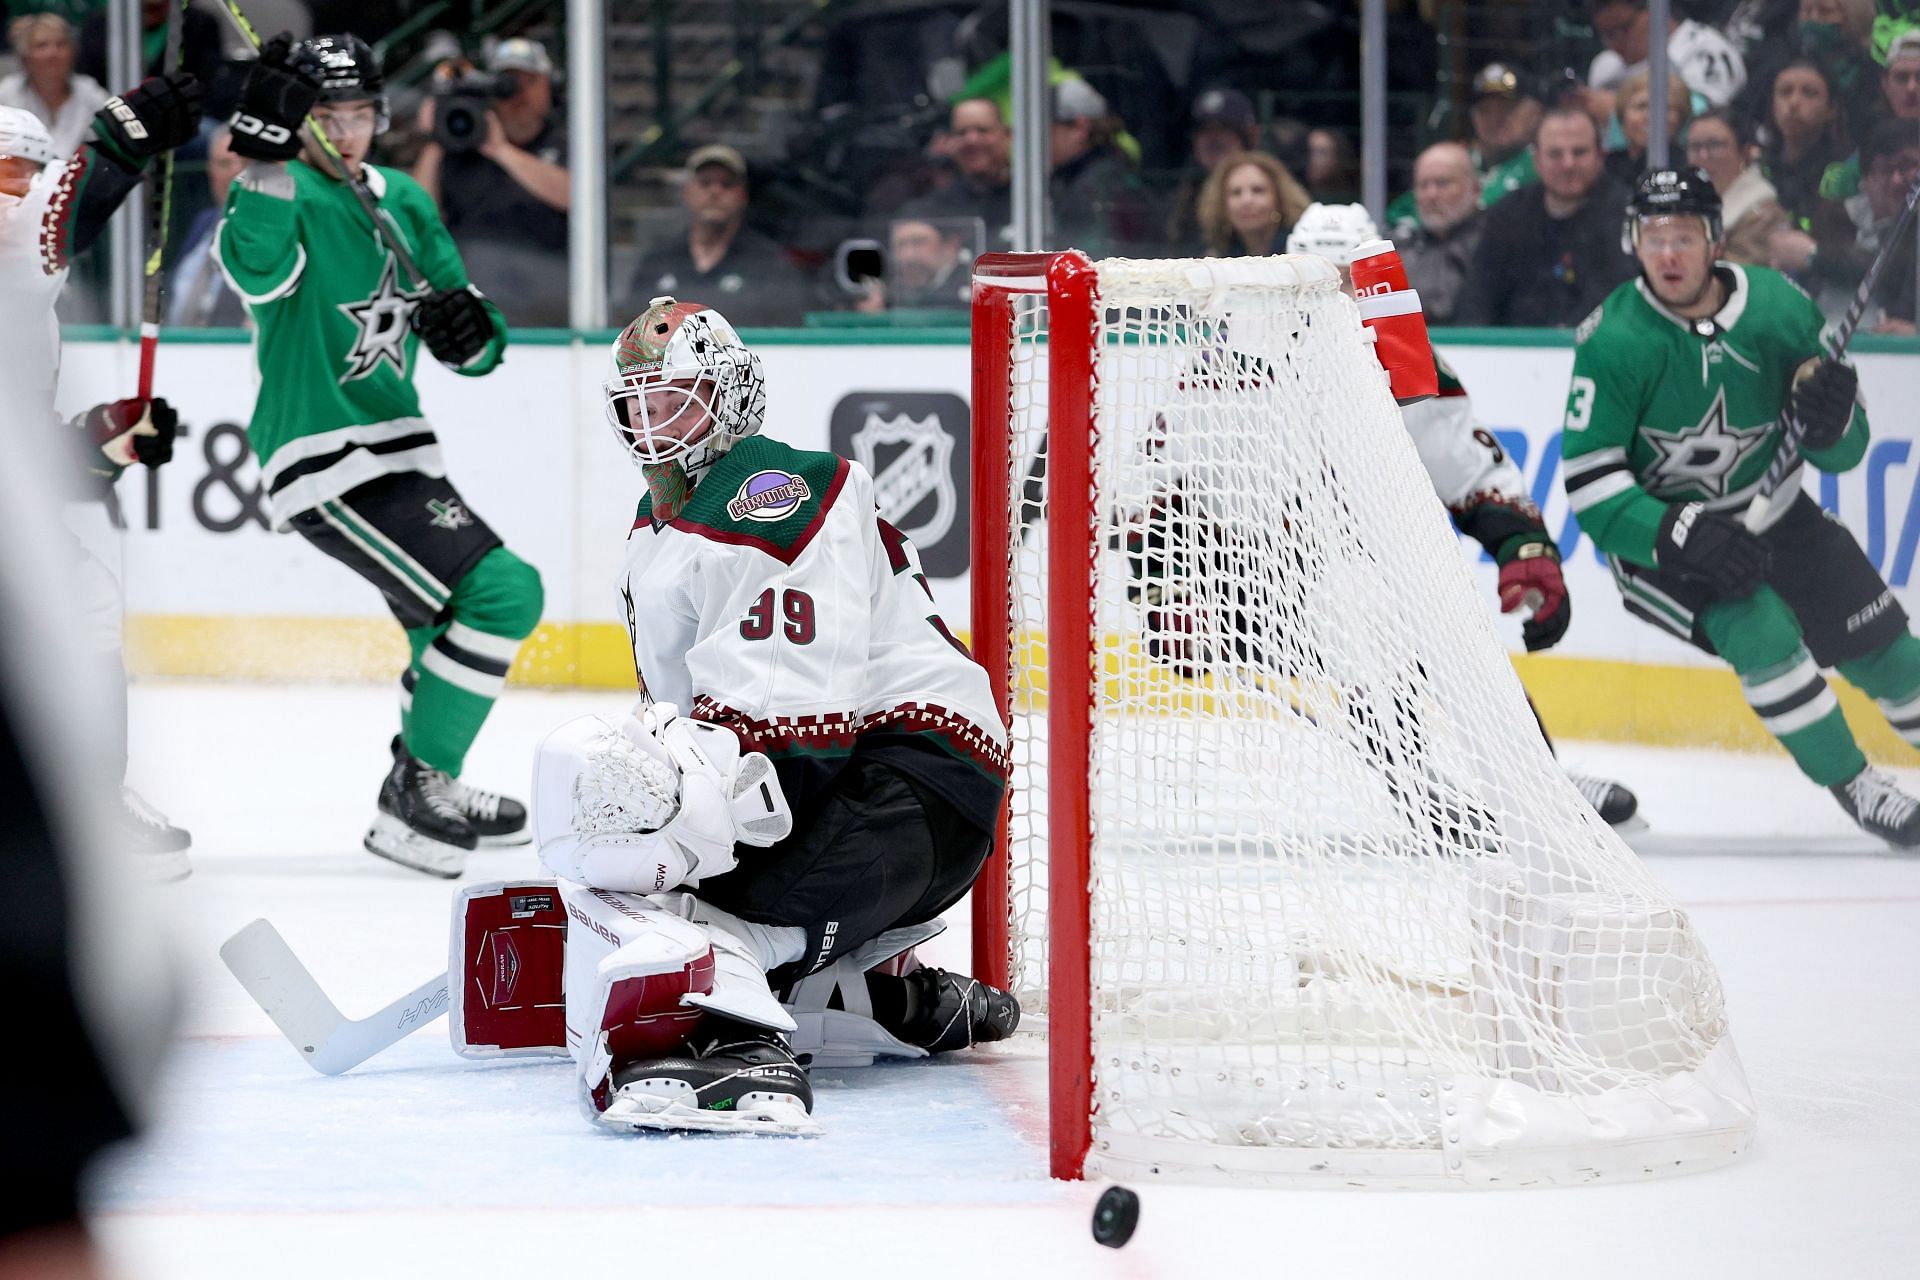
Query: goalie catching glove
point(652, 801)
point(455, 325)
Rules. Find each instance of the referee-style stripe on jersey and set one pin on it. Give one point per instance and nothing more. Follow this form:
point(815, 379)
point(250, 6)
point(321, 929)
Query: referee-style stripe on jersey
point(1791, 696)
point(1904, 717)
point(470, 660)
point(1594, 477)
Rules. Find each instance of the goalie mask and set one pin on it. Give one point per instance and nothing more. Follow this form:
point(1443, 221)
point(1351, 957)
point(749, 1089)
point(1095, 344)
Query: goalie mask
point(1332, 231)
point(684, 387)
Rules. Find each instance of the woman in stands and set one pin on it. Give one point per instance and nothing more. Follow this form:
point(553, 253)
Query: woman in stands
point(1248, 205)
point(1721, 144)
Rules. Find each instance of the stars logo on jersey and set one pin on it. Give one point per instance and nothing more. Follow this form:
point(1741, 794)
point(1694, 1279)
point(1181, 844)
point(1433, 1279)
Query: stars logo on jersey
point(382, 319)
point(1704, 456)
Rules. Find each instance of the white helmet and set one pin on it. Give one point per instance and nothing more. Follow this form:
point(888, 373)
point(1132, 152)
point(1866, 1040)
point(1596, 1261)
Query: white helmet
point(24, 137)
point(1332, 231)
point(680, 360)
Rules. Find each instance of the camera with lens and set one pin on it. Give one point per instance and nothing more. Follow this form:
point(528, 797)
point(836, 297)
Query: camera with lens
point(460, 108)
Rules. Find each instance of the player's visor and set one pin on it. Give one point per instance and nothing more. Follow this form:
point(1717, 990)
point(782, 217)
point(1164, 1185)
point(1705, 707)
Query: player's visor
point(660, 419)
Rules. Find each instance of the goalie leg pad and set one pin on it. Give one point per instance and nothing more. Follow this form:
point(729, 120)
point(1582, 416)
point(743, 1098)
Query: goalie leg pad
point(507, 964)
point(743, 953)
point(631, 969)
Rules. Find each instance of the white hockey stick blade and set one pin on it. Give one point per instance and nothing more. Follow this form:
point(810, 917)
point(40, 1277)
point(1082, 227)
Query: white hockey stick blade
point(326, 1039)
point(1656, 844)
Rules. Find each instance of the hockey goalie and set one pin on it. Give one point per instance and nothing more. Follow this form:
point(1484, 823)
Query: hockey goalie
point(809, 780)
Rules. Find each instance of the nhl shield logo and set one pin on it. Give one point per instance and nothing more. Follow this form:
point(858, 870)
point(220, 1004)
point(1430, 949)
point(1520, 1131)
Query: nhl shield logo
point(911, 460)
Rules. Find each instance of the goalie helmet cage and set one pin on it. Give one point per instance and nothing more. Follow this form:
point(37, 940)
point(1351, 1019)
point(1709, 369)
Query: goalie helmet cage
point(1286, 869)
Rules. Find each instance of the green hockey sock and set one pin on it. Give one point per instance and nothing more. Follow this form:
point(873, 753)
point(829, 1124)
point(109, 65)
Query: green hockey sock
point(1794, 703)
point(459, 667)
point(1891, 677)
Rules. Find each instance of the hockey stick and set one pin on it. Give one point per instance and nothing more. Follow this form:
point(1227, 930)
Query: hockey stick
point(1788, 455)
point(159, 211)
point(329, 1041)
point(335, 162)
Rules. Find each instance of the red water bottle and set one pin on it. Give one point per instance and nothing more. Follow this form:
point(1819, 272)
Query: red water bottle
point(1391, 308)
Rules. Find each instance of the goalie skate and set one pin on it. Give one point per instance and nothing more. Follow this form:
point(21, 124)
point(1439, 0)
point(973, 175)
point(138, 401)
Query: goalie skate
point(731, 1079)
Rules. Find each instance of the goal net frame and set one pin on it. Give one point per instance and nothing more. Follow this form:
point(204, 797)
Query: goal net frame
point(1701, 1117)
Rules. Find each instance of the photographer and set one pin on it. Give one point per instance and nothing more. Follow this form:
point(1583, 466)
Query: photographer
point(493, 164)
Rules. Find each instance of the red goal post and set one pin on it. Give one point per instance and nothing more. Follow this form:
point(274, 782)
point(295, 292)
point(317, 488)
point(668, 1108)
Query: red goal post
point(1287, 875)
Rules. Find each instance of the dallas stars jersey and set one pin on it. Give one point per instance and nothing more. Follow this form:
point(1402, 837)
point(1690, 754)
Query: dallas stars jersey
point(1665, 410)
point(779, 604)
point(334, 345)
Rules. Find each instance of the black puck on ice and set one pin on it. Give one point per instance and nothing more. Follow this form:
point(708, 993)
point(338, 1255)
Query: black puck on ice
point(1115, 1217)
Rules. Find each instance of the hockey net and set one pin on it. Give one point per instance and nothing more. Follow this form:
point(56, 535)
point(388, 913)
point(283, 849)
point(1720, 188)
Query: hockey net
point(1288, 874)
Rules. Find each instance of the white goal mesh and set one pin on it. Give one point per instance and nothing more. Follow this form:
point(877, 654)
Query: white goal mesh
point(1348, 920)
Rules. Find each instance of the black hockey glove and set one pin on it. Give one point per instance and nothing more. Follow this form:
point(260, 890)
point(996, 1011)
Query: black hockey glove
point(1712, 550)
point(274, 100)
point(128, 431)
point(156, 115)
point(1823, 400)
point(455, 324)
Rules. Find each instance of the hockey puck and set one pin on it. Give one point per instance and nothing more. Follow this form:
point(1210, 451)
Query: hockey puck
point(1115, 1217)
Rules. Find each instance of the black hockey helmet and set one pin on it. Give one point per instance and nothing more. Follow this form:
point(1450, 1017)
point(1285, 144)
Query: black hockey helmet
point(1675, 193)
point(348, 71)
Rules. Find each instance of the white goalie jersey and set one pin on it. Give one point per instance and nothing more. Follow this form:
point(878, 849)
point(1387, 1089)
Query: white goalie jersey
point(779, 604)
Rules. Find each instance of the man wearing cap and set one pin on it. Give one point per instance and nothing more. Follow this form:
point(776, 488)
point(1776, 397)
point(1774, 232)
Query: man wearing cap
point(1505, 113)
point(721, 258)
point(1224, 125)
point(506, 201)
point(1097, 203)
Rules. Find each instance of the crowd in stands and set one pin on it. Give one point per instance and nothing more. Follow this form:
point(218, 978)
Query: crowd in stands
point(1804, 114)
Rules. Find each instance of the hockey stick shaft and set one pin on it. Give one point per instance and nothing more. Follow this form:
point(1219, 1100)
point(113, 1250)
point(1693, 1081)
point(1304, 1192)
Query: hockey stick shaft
point(1787, 457)
point(324, 145)
point(327, 1040)
point(159, 213)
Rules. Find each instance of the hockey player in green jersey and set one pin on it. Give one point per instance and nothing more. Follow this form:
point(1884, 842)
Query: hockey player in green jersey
point(347, 460)
point(1679, 381)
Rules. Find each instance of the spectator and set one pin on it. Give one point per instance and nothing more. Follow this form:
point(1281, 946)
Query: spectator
point(46, 84)
point(1505, 114)
point(1439, 249)
point(1248, 205)
point(1224, 125)
point(1899, 99)
point(506, 199)
point(1837, 34)
point(1701, 56)
point(1333, 171)
point(1720, 144)
point(927, 265)
point(722, 261)
point(1806, 135)
point(1634, 101)
point(198, 295)
point(1550, 253)
point(1097, 202)
point(1851, 232)
point(981, 148)
point(199, 49)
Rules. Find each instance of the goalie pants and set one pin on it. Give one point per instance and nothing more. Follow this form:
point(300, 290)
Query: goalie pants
point(879, 851)
point(1824, 605)
point(465, 601)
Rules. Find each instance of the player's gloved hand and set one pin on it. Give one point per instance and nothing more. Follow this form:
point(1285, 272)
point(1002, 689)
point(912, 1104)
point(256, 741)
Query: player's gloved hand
point(1530, 578)
point(156, 115)
point(129, 431)
point(274, 100)
point(1711, 549)
point(455, 325)
point(1823, 399)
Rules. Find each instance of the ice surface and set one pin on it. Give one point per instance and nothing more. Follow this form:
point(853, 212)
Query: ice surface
point(419, 1164)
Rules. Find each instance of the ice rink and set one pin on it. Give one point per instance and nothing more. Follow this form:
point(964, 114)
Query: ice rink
point(421, 1164)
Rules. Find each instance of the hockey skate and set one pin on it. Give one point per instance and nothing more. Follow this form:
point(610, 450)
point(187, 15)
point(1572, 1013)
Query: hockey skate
point(730, 1078)
point(159, 848)
point(418, 824)
point(947, 1011)
point(1881, 808)
point(496, 820)
point(1618, 807)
